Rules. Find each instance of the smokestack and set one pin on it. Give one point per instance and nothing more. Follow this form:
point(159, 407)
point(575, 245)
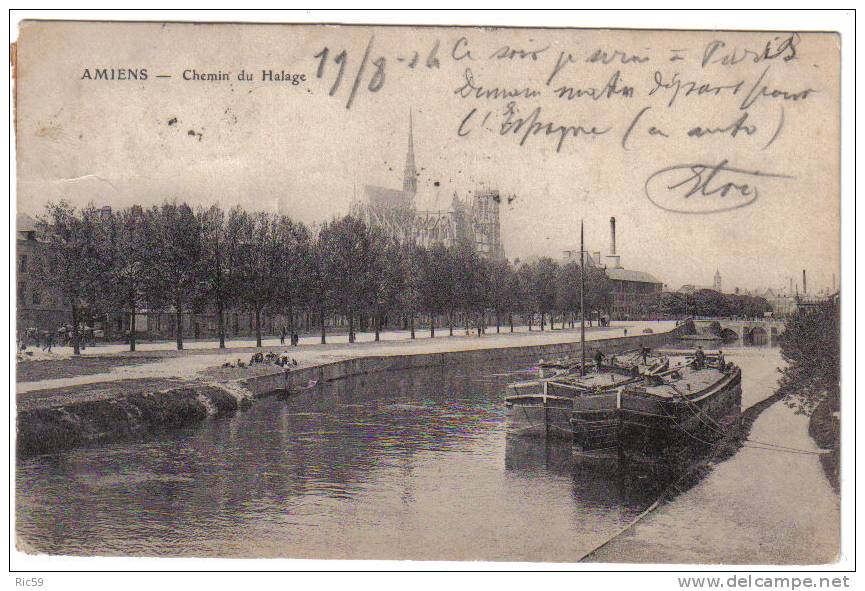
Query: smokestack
point(612, 236)
point(791, 286)
point(804, 283)
point(833, 282)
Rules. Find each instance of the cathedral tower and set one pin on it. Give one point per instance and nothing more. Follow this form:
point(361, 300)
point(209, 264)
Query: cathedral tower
point(409, 182)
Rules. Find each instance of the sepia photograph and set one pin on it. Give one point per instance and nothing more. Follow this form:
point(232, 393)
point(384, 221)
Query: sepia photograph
point(380, 292)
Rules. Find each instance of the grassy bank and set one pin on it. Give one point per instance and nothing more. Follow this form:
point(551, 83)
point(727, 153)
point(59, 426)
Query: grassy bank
point(44, 369)
point(48, 430)
point(825, 428)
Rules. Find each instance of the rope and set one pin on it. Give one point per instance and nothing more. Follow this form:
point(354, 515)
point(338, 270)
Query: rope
point(765, 445)
point(789, 450)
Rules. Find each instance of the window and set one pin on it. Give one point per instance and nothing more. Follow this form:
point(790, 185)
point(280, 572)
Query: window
point(22, 290)
point(22, 264)
point(36, 298)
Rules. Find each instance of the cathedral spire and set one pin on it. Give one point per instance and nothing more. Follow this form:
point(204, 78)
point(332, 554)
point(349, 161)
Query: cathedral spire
point(409, 183)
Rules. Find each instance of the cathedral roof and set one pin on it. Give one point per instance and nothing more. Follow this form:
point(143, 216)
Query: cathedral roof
point(388, 198)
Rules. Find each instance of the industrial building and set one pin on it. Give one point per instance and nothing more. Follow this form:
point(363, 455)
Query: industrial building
point(634, 294)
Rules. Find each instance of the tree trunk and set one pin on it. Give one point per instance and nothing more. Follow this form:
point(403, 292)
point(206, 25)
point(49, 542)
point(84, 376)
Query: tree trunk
point(76, 339)
point(498, 322)
point(432, 325)
point(350, 327)
point(178, 327)
point(290, 315)
point(543, 321)
point(451, 322)
point(377, 321)
point(531, 317)
point(257, 326)
point(323, 330)
point(411, 324)
point(132, 328)
point(220, 322)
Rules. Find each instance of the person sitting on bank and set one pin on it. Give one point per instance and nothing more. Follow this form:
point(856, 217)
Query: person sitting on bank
point(699, 357)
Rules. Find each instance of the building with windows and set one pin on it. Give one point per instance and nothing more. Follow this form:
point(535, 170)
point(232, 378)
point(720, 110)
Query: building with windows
point(38, 304)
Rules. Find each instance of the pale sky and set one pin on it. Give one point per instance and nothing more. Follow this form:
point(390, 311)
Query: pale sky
point(273, 145)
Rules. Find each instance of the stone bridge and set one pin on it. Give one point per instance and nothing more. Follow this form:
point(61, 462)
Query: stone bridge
point(744, 332)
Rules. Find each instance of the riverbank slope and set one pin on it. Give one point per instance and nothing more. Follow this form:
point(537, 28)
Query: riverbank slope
point(761, 506)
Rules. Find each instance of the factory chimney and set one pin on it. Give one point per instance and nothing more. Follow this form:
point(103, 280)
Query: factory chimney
point(804, 283)
point(612, 236)
point(613, 258)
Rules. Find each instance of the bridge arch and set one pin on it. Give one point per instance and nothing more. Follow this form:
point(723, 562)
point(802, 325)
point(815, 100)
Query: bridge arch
point(729, 335)
point(758, 336)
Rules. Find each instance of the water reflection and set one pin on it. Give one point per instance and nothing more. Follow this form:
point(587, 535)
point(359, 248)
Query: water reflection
point(402, 465)
point(596, 481)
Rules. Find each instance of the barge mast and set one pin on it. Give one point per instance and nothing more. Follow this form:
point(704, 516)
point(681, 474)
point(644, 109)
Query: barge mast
point(582, 303)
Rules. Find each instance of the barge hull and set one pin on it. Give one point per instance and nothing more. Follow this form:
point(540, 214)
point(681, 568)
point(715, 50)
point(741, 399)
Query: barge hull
point(650, 426)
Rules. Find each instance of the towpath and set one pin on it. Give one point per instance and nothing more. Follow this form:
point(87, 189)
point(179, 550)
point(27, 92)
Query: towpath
point(759, 507)
point(158, 360)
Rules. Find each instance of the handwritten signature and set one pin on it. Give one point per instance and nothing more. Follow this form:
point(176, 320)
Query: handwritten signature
point(705, 188)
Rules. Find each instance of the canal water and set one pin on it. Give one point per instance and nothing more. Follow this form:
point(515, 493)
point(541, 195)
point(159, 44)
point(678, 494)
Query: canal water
point(409, 465)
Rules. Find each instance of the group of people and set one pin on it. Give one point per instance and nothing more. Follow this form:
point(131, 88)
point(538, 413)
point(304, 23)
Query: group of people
point(272, 357)
point(47, 340)
point(295, 338)
point(701, 361)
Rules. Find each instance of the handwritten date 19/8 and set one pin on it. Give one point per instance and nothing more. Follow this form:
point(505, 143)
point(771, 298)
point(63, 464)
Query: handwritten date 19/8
point(377, 79)
point(375, 83)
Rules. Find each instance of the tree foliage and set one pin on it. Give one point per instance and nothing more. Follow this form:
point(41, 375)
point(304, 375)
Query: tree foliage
point(172, 259)
point(811, 348)
point(711, 303)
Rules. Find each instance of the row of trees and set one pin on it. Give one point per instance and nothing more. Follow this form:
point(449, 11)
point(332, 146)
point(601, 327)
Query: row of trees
point(711, 303)
point(174, 258)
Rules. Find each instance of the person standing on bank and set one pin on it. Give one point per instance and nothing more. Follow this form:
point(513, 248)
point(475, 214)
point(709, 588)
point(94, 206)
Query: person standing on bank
point(599, 358)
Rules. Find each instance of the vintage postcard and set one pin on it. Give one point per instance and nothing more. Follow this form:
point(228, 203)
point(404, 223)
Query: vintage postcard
point(427, 293)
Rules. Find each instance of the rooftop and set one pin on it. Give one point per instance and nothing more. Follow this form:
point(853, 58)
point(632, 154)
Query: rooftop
point(629, 275)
